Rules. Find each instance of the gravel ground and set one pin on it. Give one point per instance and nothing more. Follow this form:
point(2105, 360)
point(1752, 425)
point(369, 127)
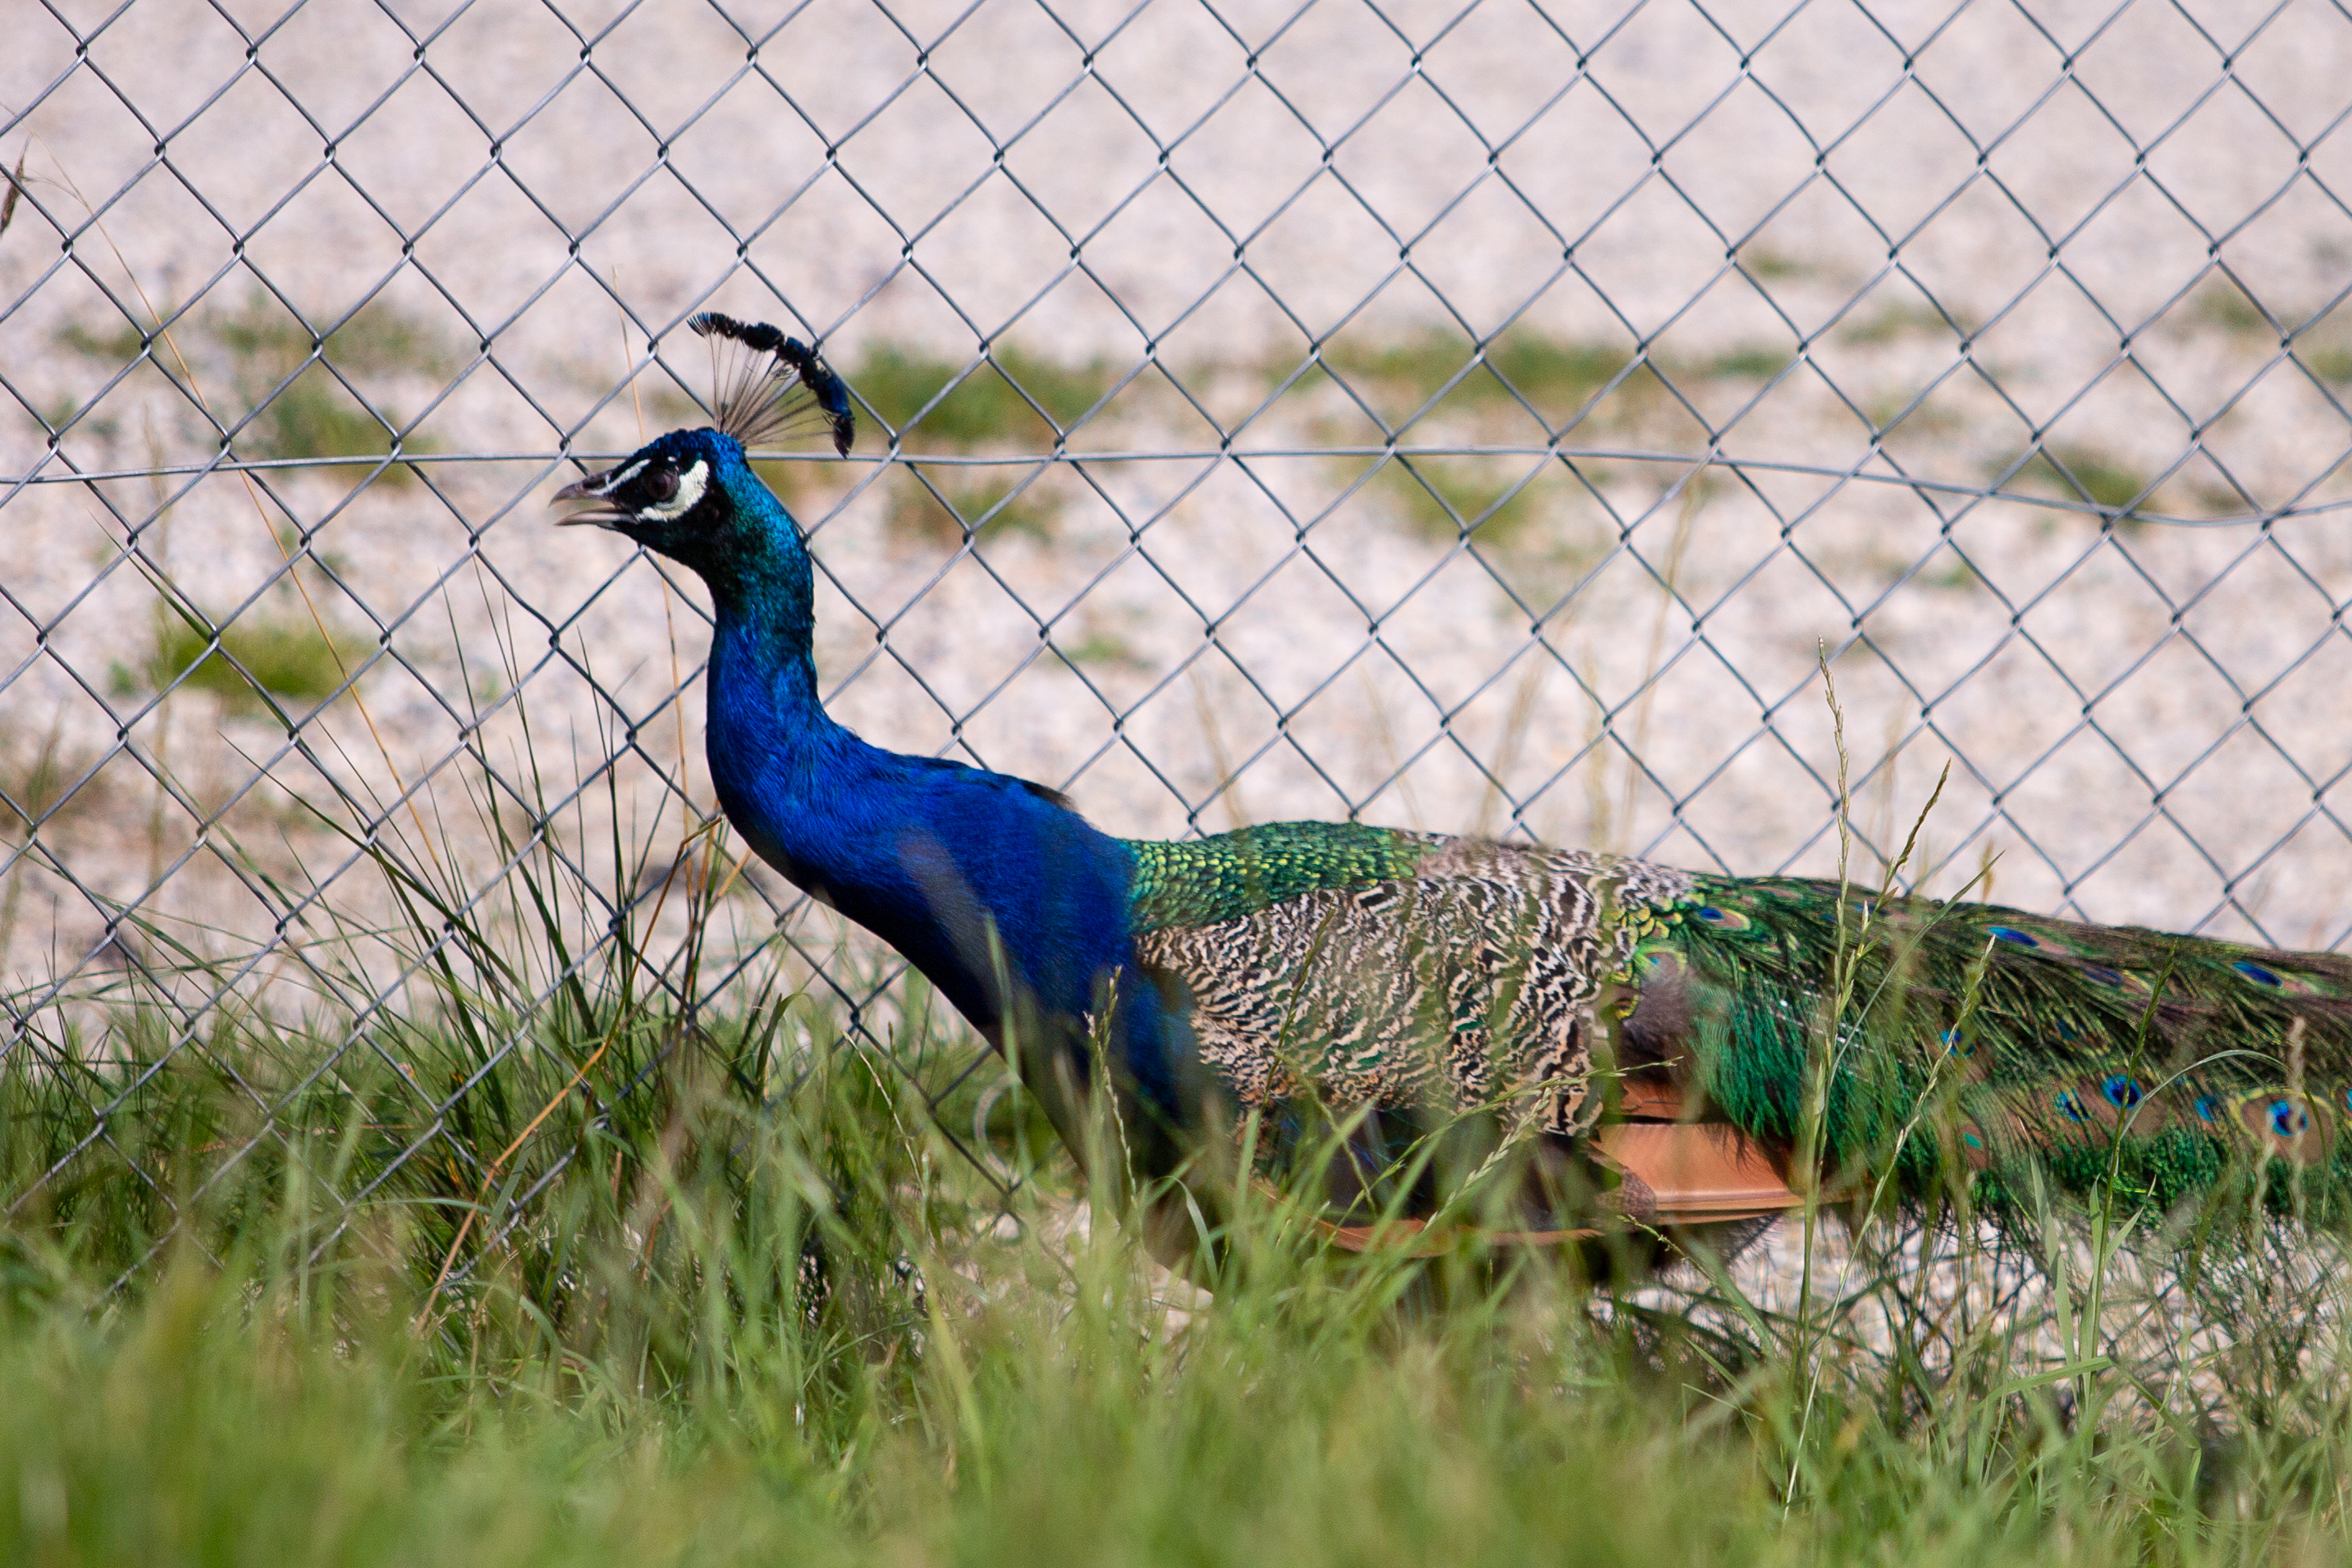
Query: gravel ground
point(2099, 239)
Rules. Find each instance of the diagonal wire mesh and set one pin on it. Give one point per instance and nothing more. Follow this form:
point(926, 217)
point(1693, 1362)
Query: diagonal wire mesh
point(1480, 417)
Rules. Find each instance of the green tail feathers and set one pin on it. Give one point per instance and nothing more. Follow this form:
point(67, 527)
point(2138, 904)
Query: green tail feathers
point(1976, 1048)
point(1974, 1041)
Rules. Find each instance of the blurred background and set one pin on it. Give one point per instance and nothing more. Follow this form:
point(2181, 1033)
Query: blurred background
point(1484, 418)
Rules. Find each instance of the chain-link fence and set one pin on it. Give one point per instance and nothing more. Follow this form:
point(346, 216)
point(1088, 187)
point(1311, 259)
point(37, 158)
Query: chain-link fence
point(1471, 417)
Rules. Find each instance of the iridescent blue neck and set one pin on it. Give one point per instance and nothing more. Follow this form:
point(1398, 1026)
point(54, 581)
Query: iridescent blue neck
point(1004, 897)
point(782, 766)
point(763, 589)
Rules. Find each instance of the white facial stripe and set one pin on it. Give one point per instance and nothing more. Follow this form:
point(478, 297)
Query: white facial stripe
point(691, 486)
point(615, 481)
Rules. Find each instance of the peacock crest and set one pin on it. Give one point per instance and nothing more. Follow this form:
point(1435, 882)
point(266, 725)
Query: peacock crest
point(767, 386)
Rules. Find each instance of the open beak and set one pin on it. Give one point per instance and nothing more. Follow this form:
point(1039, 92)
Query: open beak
point(598, 510)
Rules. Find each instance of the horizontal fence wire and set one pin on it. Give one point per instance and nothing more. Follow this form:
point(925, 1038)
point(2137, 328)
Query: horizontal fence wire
point(551, 461)
point(1489, 418)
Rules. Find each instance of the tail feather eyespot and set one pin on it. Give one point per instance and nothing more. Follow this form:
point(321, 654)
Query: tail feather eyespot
point(2015, 938)
point(2121, 1090)
point(2113, 979)
point(2272, 978)
point(2290, 1127)
point(1721, 919)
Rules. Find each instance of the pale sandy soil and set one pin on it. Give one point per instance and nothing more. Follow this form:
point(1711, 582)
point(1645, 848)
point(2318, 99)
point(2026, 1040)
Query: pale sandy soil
point(2144, 726)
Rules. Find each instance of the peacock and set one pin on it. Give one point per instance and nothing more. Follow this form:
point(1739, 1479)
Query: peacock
point(1374, 1008)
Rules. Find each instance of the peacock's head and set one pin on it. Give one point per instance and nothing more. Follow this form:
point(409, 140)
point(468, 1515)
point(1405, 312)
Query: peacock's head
point(674, 495)
point(663, 495)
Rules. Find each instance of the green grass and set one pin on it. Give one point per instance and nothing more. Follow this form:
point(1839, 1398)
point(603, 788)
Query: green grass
point(1772, 264)
point(2331, 363)
point(707, 1343)
point(1426, 387)
point(2219, 302)
point(1894, 319)
point(2102, 479)
point(34, 780)
point(1441, 497)
point(1483, 498)
point(201, 1426)
point(1751, 362)
point(900, 384)
point(254, 348)
point(944, 406)
point(266, 654)
point(920, 395)
point(1557, 376)
point(316, 414)
point(2087, 475)
point(981, 503)
point(1101, 649)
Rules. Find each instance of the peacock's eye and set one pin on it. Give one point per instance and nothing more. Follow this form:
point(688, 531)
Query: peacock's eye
point(662, 484)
